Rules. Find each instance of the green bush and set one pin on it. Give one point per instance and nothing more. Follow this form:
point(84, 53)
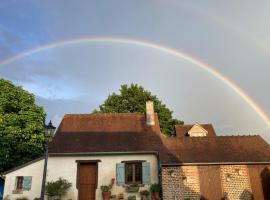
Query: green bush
point(57, 188)
point(132, 197)
point(37, 198)
point(155, 187)
point(145, 193)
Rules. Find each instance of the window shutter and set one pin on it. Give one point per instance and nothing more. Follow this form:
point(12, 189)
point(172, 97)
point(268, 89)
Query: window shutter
point(27, 182)
point(120, 173)
point(146, 172)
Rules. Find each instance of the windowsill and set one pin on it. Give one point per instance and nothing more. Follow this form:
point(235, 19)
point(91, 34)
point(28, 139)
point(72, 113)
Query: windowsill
point(17, 191)
point(134, 185)
point(132, 189)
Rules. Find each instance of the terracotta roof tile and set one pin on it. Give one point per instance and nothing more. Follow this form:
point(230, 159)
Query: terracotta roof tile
point(217, 149)
point(128, 133)
point(113, 122)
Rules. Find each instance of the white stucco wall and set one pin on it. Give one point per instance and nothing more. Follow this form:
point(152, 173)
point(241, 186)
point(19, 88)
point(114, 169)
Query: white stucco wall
point(35, 170)
point(66, 167)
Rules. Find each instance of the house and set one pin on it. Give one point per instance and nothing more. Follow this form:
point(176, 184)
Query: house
point(92, 149)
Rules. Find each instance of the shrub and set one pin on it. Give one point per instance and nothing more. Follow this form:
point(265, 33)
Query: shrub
point(155, 187)
point(57, 188)
point(145, 193)
point(132, 197)
point(37, 198)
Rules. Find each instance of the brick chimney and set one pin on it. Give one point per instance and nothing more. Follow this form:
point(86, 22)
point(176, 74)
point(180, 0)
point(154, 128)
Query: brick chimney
point(150, 113)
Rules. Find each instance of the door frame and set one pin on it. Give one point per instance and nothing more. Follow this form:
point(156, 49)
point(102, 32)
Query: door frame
point(79, 162)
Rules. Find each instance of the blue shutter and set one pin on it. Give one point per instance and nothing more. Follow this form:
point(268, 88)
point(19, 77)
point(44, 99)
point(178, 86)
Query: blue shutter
point(146, 172)
point(120, 173)
point(27, 182)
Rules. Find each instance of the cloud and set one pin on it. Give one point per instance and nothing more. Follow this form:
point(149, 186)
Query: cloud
point(78, 78)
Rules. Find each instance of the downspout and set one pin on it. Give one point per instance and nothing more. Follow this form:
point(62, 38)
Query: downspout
point(159, 174)
point(42, 195)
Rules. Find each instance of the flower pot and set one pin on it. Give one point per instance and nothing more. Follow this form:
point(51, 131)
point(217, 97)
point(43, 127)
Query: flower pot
point(132, 189)
point(106, 195)
point(155, 196)
point(144, 197)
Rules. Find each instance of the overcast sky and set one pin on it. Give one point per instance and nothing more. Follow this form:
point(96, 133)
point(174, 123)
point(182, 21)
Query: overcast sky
point(231, 36)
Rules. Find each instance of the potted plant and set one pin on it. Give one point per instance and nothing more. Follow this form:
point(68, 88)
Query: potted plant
point(132, 188)
point(228, 177)
point(145, 194)
point(56, 189)
point(106, 191)
point(238, 171)
point(155, 191)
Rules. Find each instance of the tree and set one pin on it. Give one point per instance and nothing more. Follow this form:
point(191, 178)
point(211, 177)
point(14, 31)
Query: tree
point(21, 126)
point(132, 99)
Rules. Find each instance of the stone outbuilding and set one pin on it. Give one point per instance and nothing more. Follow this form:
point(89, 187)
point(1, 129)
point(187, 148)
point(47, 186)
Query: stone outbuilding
point(207, 166)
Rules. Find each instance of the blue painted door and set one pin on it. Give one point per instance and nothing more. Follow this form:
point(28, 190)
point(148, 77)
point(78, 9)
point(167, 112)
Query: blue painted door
point(1, 188)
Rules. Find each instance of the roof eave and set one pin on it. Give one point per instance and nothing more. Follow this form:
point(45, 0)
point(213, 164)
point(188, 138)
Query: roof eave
point(214, 163)
point(103, 153)
point(22, 166)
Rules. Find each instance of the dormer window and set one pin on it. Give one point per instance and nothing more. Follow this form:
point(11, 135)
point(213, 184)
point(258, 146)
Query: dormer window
point(197, 131)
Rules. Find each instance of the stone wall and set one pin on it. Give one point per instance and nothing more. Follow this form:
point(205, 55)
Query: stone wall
point(180, 183)
point(235, 182)
point(183, 182)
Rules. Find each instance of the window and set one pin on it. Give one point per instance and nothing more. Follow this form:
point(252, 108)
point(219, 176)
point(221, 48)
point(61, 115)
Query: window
point(133, 173)
point(22, 183)
point(19, 182)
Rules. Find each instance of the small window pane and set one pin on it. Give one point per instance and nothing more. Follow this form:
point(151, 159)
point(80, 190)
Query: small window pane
point(129, 173)
point(138, 172)
point(19, 185)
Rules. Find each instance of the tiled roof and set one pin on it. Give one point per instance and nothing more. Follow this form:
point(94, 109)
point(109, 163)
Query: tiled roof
point(219, 149)
point(122, 133)
point(112, 122)
point(98, 133)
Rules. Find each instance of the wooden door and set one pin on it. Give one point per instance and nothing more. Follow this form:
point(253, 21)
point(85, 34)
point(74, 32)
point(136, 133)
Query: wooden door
point(265, 179)
point(210, 182)
point(255, 182)
point(87, 181)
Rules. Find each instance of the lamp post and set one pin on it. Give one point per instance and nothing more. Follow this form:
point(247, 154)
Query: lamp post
point(49, 132)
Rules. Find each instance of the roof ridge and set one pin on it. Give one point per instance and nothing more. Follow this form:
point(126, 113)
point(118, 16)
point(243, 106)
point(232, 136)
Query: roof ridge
point(226, 136)
point(238, 135)
point(96, 114)
point(194, 124)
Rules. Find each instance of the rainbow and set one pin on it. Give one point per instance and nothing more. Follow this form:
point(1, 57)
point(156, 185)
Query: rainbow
point(150, 45)
point(227, 26)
